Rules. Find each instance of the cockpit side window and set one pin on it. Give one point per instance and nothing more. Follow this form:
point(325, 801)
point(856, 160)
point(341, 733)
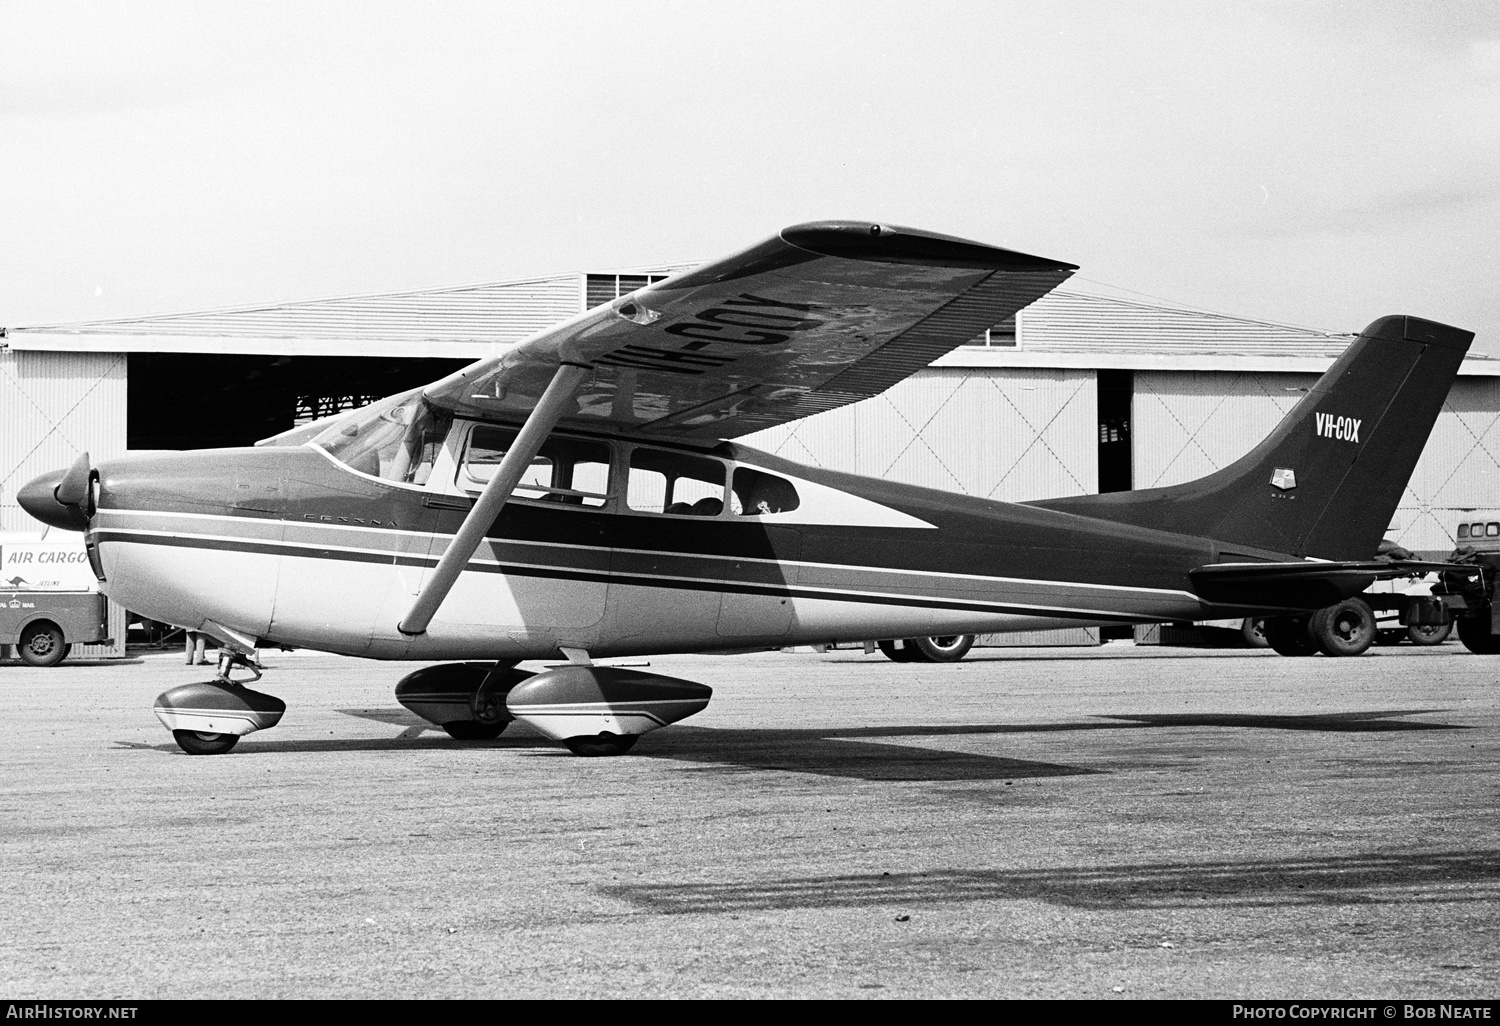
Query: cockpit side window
point(571, 471)
point(675, 483)
point(757, 493)
point(397, 439)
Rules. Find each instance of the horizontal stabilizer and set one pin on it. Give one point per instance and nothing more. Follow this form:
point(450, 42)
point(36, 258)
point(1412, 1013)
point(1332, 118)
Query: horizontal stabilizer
point(1303, 584)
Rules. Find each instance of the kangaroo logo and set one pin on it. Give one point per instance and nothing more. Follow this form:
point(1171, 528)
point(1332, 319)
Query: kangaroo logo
point(1345, 429)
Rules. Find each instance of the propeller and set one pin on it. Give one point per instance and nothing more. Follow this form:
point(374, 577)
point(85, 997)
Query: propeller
point(73, 489)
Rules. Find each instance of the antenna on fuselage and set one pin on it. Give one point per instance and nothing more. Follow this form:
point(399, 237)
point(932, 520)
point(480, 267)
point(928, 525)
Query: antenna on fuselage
point(544, 417)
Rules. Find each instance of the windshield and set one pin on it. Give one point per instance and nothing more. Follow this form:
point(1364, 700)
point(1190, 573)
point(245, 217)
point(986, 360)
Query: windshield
point(397, 439)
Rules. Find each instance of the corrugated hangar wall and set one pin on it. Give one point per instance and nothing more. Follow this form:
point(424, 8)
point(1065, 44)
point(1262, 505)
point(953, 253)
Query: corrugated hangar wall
point(54, 406)
point(1186, 424)
point(999, 433)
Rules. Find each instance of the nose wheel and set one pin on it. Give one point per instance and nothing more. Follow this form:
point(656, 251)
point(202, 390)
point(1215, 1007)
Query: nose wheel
point(203, 742)
point(208, 718)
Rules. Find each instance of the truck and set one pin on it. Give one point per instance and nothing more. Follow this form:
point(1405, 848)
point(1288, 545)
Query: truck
point(1470, 600)
point(49, 597)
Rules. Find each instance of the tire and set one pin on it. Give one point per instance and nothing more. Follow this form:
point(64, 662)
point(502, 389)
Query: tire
point(473, 730)
point(898, 651)
point(1420, 634)
point(1345, 629)
point(946, 649)
point(201, 742)
point(1253, 632)
point(1290, 636)
point(1474, 632)
point(42, 644)
point(592, 746)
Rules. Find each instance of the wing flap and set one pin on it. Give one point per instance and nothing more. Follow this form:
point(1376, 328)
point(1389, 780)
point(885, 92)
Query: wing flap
point(818, 317)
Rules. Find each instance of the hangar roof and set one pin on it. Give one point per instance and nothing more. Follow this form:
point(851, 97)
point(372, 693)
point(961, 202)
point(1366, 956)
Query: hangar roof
point(1081, 325)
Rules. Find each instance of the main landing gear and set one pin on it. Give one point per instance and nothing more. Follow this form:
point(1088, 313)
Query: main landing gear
point(466, 699)
point(593, 710)
point(210, 717)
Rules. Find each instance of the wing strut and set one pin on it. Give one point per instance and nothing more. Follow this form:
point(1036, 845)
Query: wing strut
point(538, 426)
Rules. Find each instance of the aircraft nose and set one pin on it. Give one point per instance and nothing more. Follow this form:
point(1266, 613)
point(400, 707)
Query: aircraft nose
point(61, 498)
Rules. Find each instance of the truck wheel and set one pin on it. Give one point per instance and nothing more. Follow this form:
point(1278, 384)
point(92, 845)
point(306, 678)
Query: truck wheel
point(1421, 634)
point(1253, 632)
point(1345, 629)
point(948, 649)
point(42, 644)
point(1474, 632)
point(1290, 636)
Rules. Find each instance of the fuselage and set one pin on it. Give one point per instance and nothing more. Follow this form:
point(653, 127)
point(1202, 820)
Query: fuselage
point(663, 548)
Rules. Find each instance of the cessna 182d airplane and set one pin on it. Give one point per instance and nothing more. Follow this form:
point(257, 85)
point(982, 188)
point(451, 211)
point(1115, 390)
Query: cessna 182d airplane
point(578, 496)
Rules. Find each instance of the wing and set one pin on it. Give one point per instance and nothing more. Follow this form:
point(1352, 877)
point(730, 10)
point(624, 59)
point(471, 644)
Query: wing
point(822, 315)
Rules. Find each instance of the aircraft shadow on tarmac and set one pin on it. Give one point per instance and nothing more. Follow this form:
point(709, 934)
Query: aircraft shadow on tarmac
point(864, 753)
point(856, 752)
point(1355, 879)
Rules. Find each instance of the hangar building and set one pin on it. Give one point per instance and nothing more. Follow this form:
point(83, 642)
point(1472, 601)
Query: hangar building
point(1083, 391)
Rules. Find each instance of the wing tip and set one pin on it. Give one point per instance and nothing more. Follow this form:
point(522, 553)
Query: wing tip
point(885, 243)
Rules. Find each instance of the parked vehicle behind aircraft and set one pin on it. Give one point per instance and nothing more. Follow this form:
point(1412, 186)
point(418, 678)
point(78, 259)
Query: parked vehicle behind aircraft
point(49, 599)
point(949, 648)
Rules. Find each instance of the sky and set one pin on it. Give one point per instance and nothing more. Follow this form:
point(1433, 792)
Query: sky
point(1312, 163)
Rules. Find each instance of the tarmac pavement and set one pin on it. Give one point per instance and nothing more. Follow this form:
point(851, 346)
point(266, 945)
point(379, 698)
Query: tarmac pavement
point(1119, 821)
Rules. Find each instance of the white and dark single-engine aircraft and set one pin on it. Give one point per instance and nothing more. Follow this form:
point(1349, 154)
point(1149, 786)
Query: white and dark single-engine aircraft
point(579, 497)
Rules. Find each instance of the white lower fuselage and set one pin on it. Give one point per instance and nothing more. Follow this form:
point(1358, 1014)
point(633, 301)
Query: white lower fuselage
point(342, 588)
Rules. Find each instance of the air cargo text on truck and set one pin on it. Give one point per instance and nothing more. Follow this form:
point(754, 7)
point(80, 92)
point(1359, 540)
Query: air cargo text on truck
point(49, 597)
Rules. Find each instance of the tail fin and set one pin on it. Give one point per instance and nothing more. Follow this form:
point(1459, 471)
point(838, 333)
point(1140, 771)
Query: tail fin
point(1326, 482)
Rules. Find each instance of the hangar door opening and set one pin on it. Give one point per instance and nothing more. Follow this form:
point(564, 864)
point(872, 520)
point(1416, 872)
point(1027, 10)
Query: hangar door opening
point(205, 401)
point(1116, 396)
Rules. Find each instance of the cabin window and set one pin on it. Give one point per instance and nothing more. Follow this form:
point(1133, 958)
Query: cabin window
point(1476, 530)
point(572, 471)
point(1463, 530)
point(397, 439)
point(1492, 530)
point(757, 493)
point(675, 483)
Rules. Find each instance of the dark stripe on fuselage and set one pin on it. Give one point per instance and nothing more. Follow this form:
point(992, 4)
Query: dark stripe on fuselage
point(713, 585)
point(972, 536)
